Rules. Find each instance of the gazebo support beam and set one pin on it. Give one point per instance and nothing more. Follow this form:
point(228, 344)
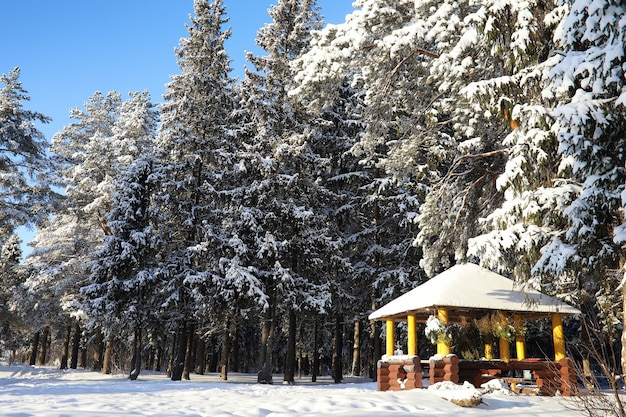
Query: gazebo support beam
point(520, 347)
point(412, 336)
point(443, 347)
point(505, 350)
point(558, 337)
point(488, 351)
point(390, 337)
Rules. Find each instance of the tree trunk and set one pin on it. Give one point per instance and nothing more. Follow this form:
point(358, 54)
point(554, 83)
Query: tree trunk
point(378, 350)
point(178, 365)
point(290, 361)
point(337, 354)
point(189, 351)
point(43, 348)
point(135, 362)
point(65, 351)
point(82, 362)
point(158, 361)
point(75, 345)
point(98, 352)
point(225, 353)
point(200, 357)
point(356, 349)
point(170, 363)
point(107, 365)
point(35, 349)
point(234, 363)
point(623, 352)
point(265, 354)
point(316, 354)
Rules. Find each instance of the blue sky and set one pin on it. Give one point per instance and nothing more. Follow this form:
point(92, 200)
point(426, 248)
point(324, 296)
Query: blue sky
point(69, 49)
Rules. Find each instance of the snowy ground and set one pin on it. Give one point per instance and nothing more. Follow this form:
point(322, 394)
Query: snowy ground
point(34, 391)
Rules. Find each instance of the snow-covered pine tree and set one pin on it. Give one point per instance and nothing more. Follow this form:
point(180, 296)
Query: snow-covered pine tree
point(282, 218)
point(195, 148)
point(90, 153)
point(23, 159)
point(12, 275)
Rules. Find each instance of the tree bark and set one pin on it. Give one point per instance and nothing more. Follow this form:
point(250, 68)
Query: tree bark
point(75, 345)
point(35, 349)
point(378, 349)
point(200, 357)
point(172, 358)
point(43, 348)
point(290, 361)
point(337, 354)
point(189, 351)
point(623, 352)
point(135, 362)
point(98, 352)
point(225, 353)
point(356, 349)
point(234, 363)
point(265, 354)
point(316, 355)
point(65, 351)
point(178, 365)
point(108, 354)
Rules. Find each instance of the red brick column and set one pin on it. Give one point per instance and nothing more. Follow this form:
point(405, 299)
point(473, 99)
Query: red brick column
point(399, 374)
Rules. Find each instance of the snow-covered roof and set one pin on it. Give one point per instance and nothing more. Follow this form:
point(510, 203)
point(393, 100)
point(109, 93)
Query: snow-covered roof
point(465, 290)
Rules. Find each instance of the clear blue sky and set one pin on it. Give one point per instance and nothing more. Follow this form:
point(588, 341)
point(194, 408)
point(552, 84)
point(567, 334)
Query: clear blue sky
point(69, 49)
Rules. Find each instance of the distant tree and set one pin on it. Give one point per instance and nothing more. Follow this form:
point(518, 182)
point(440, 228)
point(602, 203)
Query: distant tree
point(11, 277)
point(23, 160)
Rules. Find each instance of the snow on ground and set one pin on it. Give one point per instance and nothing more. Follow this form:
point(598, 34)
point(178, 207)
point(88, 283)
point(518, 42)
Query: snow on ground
point(45, 392)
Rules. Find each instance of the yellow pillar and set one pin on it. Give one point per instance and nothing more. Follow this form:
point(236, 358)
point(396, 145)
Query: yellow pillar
point(520, 347)
point(443, 347)
point(505, 350)
point(389, 335)
point(558, 337)
point(488, 351)
point(412, 336)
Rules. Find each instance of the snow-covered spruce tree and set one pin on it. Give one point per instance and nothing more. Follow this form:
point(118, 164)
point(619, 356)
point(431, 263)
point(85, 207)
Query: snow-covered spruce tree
point(531, 188)
point(23, 160)
point(282, 218)
point(121, 297)
point(372, 217)
point(414, 60)
point(194, 146)
point(589, 91)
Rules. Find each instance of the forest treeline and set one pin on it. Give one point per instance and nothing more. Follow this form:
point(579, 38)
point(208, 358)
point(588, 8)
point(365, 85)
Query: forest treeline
point(252, 225)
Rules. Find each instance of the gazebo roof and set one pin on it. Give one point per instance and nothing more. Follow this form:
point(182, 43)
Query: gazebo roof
point(466, 290)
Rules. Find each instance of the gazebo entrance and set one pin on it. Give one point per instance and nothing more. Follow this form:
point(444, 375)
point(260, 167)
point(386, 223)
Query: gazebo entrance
point(470, 290)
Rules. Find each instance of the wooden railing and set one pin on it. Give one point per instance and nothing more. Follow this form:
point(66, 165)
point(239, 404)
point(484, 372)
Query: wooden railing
point(547, 377)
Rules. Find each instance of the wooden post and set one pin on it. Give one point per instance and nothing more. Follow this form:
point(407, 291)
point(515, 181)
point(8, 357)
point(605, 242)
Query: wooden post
point(558, 337)
point(505, 350)
point(443, 347)
point(520, 348)
point(488, 351)
point(412, 336)
point(390, 337)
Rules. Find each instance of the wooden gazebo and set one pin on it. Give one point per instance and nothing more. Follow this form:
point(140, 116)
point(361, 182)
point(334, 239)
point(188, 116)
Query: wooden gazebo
point(468, 290)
